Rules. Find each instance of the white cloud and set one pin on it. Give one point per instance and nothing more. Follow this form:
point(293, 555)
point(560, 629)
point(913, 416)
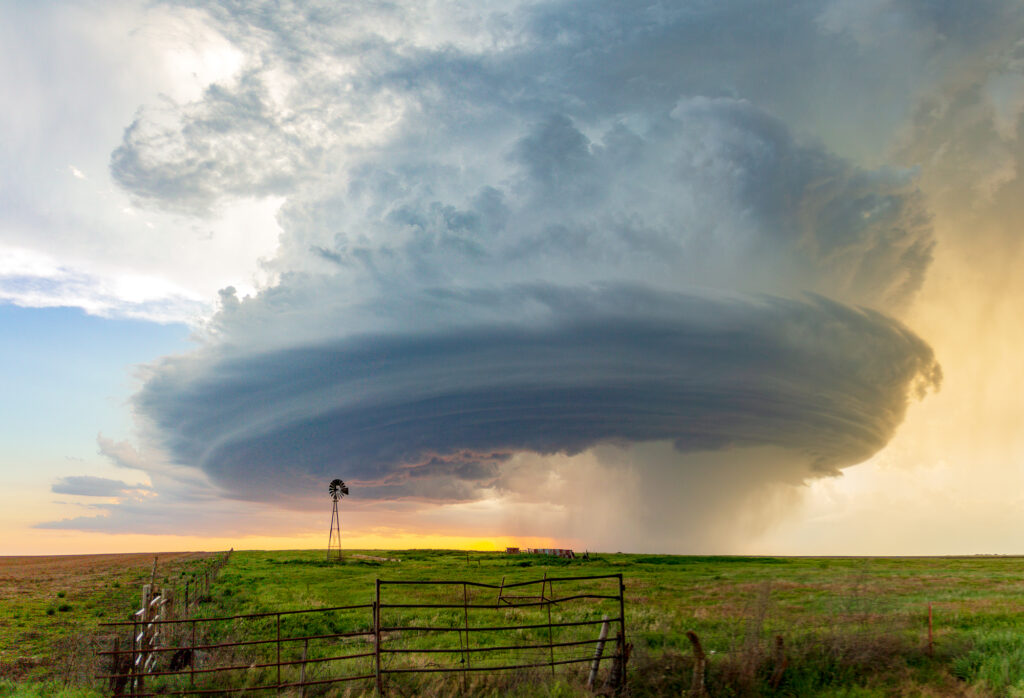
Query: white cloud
point(34, 280)
point(82, 72)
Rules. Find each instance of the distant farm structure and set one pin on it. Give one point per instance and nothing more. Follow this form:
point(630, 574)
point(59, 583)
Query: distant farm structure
point(565, 553)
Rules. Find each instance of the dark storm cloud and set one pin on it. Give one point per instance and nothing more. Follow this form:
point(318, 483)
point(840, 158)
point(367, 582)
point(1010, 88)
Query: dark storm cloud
point(433, 415)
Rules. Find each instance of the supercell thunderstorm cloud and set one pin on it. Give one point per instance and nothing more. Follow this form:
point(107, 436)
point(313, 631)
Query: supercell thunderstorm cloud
point(434, 414)
point(528, 232)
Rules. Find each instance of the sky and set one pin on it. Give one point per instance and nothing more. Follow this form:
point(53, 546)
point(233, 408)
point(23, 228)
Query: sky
point(700, 277)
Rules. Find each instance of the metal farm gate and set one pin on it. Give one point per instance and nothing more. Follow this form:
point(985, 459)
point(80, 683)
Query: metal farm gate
point(411, 627)
point(466, 626)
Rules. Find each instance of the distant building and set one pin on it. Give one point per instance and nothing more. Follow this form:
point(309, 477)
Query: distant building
point(512, 551)
point(556, 552)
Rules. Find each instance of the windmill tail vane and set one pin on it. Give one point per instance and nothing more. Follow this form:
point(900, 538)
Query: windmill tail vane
point(337, 489)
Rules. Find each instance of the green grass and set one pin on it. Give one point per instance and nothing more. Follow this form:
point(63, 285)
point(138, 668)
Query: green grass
point(45, 689)
point(850, 627)
point(51, 608)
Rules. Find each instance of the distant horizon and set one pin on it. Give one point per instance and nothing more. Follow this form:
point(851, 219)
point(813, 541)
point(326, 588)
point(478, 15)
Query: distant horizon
point(579, 552)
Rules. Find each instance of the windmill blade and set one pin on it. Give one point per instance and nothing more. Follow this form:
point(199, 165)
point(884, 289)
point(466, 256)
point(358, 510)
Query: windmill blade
point(337, 488)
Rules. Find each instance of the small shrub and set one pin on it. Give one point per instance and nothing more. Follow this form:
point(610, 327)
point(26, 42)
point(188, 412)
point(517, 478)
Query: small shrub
point(61, 594)
point(50, 611)
point(64, 607)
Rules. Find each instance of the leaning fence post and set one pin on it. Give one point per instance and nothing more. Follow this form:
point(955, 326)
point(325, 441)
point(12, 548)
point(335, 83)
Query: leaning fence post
point(147, 595)
point(598, 652)
point(699, 665)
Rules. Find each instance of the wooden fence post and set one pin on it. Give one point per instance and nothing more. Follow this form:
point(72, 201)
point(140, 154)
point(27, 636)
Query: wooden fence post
point(699, 665)
point(115, 669)
point(147, 596)
point(131, 664)
point(598, 652)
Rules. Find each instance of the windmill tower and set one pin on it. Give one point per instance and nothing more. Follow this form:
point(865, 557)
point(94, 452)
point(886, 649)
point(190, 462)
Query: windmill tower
point(337, 490)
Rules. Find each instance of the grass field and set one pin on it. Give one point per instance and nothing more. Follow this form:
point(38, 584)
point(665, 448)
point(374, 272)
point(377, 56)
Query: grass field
point(51, 607)
point(850, 627)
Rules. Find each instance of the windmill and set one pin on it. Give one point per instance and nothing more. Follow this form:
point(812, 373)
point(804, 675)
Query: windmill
point(337, 490)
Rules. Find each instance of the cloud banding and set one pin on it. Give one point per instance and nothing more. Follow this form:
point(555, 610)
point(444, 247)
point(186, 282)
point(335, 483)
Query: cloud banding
point(434, 415)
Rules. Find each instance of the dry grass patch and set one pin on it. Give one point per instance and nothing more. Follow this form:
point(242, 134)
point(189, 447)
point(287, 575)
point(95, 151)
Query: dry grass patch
point(51, 607)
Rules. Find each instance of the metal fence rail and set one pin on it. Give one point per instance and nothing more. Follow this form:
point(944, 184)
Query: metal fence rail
point(533, 613)
point(261, 651)
point(191, 653)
